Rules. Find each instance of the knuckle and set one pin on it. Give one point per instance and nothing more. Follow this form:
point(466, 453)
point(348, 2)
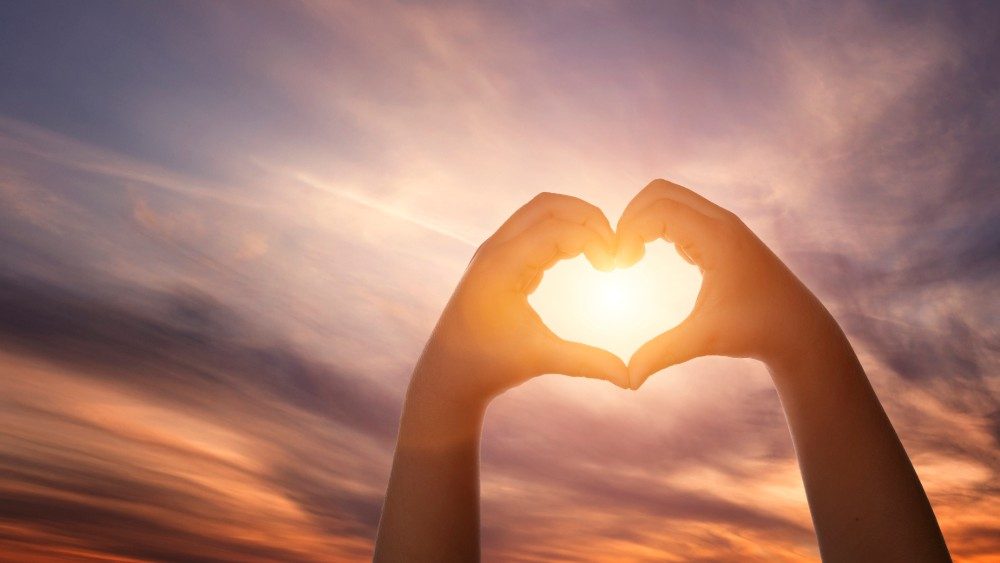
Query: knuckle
point(682, 189)
point(496, 255)
point(549, 223)
point(731, 217)
point(710, 339)
point(592, 213)
point(483, 261)
point(730, 220)
point(666, 205)
point(735, 229)
point(743, 227)
point(537, 201)
point(528, 278)
point(484, 248)
point(729, 241)
point(481, 275)
point(663, 186)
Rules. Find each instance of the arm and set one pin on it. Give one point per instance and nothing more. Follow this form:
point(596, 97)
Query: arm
point(866, 501)
point(487, 340)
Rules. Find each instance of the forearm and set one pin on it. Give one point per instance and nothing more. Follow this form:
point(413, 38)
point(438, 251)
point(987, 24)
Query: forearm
point(866, 500)
point(431, 510)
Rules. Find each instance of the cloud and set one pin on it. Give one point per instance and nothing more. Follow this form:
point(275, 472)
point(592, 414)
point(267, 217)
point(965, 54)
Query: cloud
point(225, 234)
point(187, 425)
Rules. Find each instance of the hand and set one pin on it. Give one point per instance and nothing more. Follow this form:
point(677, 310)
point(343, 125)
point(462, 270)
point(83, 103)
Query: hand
point(859, 482)
point(488, 329)
point(750, 303)
point(487, 340)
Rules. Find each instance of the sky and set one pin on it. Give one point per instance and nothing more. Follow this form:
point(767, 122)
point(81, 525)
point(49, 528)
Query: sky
point(227, 230)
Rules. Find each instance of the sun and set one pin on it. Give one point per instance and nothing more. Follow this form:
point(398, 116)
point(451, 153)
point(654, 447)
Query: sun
point(611, 292)
point(622, 309)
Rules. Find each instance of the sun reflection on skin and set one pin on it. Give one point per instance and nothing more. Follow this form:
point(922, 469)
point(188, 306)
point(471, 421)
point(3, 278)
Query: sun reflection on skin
point(618, 310)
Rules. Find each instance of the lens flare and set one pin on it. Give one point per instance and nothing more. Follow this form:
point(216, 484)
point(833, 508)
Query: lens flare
point(618, 310)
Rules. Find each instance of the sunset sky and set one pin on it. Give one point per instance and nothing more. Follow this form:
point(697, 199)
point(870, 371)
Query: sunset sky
point(227, 230)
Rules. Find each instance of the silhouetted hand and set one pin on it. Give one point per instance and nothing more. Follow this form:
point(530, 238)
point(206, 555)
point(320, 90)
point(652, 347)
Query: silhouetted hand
point(866, 501)
point(487, 340)
point(750, 304)
point(491, 333)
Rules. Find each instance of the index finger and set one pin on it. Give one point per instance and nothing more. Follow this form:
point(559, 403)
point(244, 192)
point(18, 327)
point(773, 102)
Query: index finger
point(660, 189)
point(672, 221)
point(630, 248)
point(541, 245)
point(557, 206)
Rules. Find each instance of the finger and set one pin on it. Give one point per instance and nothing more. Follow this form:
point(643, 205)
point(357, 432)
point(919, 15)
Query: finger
point(684, 255)
point(548, 241)
point(628, 250)
point(557, 206)
point(600, 254)
point(580, 360)
point(670, 220)
point(686, 341)
point(596, 252)
point(659, 189)
point(535, 281)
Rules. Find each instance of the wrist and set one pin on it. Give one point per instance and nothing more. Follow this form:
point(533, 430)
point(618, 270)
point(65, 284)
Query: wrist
point(441, 409)
point(814, 334)
point(436, 391)
point(820, 352)
point(432, 421)
point(448, 376)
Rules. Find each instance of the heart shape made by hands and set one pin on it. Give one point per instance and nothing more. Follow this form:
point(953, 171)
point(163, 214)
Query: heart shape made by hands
point(621, 310)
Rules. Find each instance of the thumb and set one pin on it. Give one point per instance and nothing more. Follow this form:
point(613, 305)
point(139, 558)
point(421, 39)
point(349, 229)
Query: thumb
point(580, 360)
point(684, 342)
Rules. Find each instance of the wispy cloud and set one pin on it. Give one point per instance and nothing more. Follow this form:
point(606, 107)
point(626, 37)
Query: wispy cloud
point(390, 210)
point(224, 239)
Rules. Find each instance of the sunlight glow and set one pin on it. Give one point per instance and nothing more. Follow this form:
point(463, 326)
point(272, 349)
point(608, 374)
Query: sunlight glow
point(618, 310)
